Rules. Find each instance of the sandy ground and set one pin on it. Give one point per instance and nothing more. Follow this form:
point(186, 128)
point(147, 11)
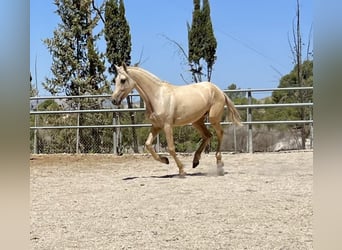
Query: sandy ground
point(264, 201)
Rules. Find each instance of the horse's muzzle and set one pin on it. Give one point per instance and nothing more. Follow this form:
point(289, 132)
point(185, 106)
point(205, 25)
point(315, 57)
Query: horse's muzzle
point(117, 99)
point(116, 102)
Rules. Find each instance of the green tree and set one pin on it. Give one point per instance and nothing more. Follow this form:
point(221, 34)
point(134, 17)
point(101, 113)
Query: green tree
point(210, 44)
point(201, 41)
point(291, 80)
point(118, 38)
point(77, 67)
point(195, 42)
point(117, 35)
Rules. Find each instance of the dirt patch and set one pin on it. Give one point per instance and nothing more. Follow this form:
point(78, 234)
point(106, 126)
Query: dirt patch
point(264, 201)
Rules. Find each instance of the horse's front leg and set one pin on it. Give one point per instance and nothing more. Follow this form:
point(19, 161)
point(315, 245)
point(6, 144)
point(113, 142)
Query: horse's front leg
point(171, 147)
point(154, 132)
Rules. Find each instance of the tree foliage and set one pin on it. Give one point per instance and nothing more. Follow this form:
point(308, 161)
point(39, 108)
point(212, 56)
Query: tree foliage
point(195, 35)
point(201, 41)
point(291, 80)
point(117, 34)
point(77, 66)
point(210, 44)
point(118, 39)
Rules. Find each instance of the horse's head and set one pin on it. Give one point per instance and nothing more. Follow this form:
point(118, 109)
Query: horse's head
point(123, 84)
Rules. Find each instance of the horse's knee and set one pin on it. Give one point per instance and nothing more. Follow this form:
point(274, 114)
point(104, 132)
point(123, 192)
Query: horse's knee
point(148, 145)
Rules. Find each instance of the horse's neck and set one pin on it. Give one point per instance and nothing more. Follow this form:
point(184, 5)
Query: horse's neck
point(147, 85)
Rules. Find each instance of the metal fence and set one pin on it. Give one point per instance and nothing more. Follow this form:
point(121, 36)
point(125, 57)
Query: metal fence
point(68, 125)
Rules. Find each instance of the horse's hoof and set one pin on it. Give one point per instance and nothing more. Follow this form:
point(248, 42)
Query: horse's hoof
point(195, 164)
point(220, 164)
point(220, 171)
point(164, 160)
point(182, 175)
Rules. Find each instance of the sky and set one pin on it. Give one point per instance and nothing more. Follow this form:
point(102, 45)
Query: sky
point(252, 36)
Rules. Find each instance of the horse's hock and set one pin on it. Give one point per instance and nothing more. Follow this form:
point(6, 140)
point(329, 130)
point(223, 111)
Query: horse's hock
point(264, 201)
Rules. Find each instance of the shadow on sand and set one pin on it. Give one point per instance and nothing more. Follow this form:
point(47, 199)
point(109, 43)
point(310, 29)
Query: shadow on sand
point(169, 176)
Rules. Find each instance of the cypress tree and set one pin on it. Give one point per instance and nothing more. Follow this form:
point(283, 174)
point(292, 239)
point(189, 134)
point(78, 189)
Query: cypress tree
point(210, 44)
point(201, 41)
point(117, 35)
point(118, 38)
point(195, 42)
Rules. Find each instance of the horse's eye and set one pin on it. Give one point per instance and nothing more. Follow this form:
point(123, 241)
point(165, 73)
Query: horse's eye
point(122, 81)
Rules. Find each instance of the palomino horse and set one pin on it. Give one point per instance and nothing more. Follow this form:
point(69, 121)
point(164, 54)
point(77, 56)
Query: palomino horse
point(168, 106)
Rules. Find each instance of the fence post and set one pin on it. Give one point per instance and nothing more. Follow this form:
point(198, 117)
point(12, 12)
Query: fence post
point(120, 150)
point(35, 136)
point(234, 135)
point(249, 119)
point(311, 131)
point(35, 139)
point(115, 143)
point(158, 144)
point(78, 129)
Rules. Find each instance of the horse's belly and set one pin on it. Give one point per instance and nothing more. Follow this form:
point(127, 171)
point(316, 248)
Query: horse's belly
point(189, 114)
point(191, 103)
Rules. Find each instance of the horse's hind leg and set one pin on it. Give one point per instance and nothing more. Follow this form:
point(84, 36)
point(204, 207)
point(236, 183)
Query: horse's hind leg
point(206, 135)
point(219, 133)
point(154, 132)
point(215, 115)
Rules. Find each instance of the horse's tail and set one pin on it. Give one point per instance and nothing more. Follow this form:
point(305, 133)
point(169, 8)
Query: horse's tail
point(234, 115)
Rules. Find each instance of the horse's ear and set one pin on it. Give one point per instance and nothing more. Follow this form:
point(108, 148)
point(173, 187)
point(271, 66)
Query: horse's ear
point(116, 68)
point(124, 66)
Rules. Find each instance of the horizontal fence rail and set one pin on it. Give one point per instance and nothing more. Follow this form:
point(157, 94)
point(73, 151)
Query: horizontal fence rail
point(225, 90)
point(248, 107)
point(49, 112)
point(143, 125)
